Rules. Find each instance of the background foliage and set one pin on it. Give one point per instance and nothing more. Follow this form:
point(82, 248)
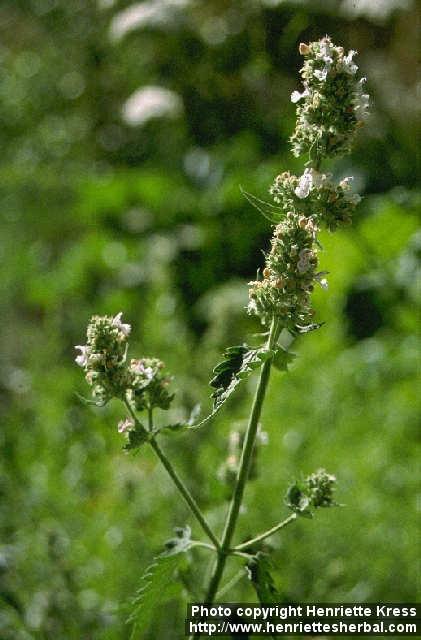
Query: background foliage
point(104, 210)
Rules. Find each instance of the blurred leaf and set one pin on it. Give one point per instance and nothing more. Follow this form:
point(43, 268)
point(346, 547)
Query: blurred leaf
point(259, 571)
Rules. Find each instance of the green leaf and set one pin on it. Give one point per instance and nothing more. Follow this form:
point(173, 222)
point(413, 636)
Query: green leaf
point(283, 358)
point(239, 362)
point(269, 211)
point(259, 572)
point(136, 437)
point(157, 586)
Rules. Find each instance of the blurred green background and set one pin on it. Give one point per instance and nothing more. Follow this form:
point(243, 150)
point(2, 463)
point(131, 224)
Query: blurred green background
point(126, 131)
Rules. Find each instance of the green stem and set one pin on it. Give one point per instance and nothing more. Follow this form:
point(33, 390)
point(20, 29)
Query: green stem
point(266, 534)
point(194, 507)
point(245, 461)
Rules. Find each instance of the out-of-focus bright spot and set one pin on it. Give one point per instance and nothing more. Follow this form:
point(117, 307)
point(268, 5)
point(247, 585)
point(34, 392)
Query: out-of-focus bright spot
point(197, 163)
point(137, 220)
point(114, 254)
point(292, 440)
point(114, 536)
point(141, 14)
point(19, 381)
point(27, 64)
point(151, 102)
point(214, 30)
point(374, 9)
point(132, 274)
point(105, 4)
point(72, 85)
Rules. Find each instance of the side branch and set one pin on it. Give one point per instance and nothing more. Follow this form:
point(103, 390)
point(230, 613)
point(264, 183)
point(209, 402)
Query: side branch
point(194, 507)
point(266, 534)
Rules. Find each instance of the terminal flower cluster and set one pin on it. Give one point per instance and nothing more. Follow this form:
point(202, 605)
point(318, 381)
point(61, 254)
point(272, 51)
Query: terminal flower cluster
point(327, 119)
point(103, 358)
point(142, 383)
point(333, 104)
point(314, 492)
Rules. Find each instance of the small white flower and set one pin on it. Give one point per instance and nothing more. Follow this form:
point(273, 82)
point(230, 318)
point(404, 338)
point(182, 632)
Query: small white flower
point(325, 51)
point(296, 96)
point(345, 183)
point(361, 102)
point(348, 65)
point(124, 328)
point(304, 184)
point(82, 359)
point(321, 74)
point(124, 426)
point(324, 283)
point(138, 367)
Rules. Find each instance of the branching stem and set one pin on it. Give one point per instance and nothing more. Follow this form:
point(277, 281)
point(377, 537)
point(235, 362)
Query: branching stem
point(194, 507)
point(266, 534)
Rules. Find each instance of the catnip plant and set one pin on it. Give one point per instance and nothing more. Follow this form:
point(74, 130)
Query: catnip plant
point(330, 110)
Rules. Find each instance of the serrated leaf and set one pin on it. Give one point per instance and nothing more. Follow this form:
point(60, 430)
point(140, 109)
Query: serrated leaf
point(157, 586)
point(239, 362)
point(283, 358)
point(269, 211)
point(259, 572)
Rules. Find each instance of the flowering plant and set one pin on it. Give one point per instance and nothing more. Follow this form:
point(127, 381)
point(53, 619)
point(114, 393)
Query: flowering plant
point(329, 112)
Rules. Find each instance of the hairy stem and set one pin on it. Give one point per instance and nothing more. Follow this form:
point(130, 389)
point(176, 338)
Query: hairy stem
point(194, 507)
point(245, 461)
point(266, 534)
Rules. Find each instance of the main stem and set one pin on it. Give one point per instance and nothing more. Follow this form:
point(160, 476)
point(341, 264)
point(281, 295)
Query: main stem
point(244, 469)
